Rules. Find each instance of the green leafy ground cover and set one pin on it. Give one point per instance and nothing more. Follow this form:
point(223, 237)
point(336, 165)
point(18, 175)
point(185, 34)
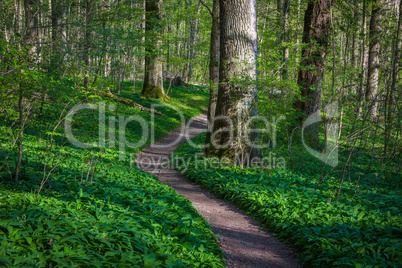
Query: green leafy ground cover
point(124, 218)
point(361, 229)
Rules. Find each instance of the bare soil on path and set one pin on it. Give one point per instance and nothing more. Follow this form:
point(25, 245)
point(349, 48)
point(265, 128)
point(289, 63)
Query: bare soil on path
point(245, 242)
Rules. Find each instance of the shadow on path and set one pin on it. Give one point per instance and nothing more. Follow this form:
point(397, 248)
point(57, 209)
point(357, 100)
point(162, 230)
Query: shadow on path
point(242, 238)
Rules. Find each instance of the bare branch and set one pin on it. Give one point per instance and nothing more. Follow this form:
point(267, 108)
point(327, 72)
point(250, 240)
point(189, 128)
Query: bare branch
point(209, 10)
point(8, 72)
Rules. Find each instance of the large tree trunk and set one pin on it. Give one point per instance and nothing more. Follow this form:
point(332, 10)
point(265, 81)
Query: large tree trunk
point(374, 59)
point(237, 72)
point(316, 37)
point(153, 80)
point(214, 56)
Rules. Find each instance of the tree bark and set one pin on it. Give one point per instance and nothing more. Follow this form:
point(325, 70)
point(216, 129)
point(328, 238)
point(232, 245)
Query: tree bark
point(316, 38)
point(31, 29)
point(363, 59)
point(214, 57)
point(355, 43)
point(193, 25)
point(153, 79)
point(58, 11)
point(87, 37)
point(397, 50)
point(285, 50)
point(374, 59)
point(297, 37)
point(237, 74)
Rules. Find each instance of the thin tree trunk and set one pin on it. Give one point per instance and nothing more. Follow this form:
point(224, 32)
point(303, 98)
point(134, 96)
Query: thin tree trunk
point(19, 16)
point(87, 42)
point(214, 57)
point(31, 29)
point(20, 135)
point(374, 59)
point(168, 68)
point(397, 50)
point(363, 60)
point(297, 37)
point(355, 45)
point(193, 30)
point(58, 11)
point(286, 24)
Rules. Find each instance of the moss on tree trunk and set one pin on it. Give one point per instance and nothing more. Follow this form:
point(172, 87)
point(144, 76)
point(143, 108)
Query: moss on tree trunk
point(153, 80)
point(152, 92)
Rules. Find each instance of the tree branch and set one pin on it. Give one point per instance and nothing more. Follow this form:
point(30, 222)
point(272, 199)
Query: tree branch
point(209, 10)
point(8, 72)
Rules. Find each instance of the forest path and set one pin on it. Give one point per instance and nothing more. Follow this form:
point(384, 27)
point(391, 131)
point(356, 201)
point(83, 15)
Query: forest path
point(243, 239)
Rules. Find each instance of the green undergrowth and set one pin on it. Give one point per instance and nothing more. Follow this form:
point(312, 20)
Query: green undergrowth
point(110, 215)
point(361, 229)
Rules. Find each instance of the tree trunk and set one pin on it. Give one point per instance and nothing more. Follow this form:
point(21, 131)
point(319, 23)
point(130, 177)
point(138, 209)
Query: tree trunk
point(87, 42)
point(316, 38)
point(193, 25)
point(397, 49)
point(214, 56)
point(286, 24)
point(279, 18)
point(374, 59)
point(363, 59)
point(58, 11)
point(31, 29)
point(237, 74)
point(297, 37)
point(19, 17)
point(153, 80)
point(355, 43)
point(20, 134)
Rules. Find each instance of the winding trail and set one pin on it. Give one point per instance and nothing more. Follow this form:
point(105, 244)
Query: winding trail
point(245, 242)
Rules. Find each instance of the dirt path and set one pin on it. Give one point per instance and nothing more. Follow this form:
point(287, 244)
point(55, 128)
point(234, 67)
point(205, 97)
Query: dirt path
point(242, 238)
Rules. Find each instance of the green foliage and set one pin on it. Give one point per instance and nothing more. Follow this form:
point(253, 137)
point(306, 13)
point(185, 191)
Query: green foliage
point(124, 217)
point(358, 230)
